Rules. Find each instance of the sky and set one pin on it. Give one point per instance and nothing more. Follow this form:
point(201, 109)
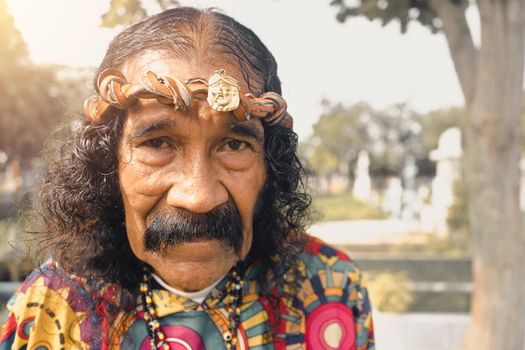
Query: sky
point(319, 58)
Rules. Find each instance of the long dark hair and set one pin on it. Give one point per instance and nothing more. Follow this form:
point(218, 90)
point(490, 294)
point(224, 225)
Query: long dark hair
point(80, 202)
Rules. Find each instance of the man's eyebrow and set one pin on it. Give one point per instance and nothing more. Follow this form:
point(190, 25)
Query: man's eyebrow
point(152, 127)
point(246, 130)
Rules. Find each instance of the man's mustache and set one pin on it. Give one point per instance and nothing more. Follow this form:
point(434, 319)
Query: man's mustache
point(168, 228)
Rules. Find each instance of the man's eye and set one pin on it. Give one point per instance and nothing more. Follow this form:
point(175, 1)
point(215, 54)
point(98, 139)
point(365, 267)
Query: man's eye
point(236, 145)
point(157, 143)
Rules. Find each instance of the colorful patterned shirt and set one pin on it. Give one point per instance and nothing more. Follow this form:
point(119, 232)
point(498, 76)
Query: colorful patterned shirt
point(331, 310)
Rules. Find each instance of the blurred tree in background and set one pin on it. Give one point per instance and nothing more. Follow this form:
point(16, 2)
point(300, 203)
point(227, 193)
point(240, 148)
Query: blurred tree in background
point(128, 12)
point(338, 136)
point(30, 100)
point(434, 123)
point(491, 78)
point(123, 12)
point(389, 135)
point(35, 101)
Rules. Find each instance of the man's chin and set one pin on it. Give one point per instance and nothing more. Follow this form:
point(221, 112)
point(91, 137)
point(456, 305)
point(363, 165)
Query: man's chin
point(198, 249)
point(192, 266)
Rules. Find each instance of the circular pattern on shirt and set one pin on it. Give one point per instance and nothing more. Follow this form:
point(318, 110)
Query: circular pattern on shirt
point(58, 310)
point(185, 330)
point(25, 327)
point(330, 327)
point(179, 338)
point(42, 345)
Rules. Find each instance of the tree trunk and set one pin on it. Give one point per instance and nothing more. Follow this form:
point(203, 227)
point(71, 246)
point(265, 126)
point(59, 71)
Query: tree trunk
point(492, 82)
point(492, 158)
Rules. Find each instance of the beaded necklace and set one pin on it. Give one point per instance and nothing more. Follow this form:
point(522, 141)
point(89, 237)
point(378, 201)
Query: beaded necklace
point(234, 288)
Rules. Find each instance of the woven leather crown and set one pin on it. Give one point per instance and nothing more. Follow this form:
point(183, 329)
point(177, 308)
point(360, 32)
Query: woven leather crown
point(221, 91)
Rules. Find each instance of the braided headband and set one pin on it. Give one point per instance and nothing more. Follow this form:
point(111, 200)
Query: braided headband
point(222, 93)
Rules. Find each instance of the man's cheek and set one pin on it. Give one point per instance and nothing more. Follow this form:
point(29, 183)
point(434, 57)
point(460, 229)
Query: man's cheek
point(135, 228)
point(141, 203)
point(142, 193)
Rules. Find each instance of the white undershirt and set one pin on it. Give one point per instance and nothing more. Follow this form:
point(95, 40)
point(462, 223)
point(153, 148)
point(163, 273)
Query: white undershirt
point(197, 296)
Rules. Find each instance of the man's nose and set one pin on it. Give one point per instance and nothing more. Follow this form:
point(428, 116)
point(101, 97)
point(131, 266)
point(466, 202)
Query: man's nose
point(197, 188)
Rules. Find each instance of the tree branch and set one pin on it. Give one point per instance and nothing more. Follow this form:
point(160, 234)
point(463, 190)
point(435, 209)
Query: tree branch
point(459, 38)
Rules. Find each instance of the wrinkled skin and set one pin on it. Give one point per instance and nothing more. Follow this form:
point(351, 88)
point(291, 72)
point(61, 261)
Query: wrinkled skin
point(194, 160)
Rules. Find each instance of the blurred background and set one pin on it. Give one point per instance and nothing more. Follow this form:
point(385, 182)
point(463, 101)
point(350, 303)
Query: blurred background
point(409, 123)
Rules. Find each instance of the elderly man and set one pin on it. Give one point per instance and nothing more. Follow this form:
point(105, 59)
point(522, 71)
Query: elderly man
point(174, 215)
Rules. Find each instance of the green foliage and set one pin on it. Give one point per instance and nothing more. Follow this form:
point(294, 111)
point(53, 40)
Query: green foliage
point(127, 12)
point(29, 105)
point(434, 123)
point(389, 135)
point(386, 11)
point(325, 161)
point(338, 137)
point(386, 163)
point(73, 85)
point(29, 110)
point(13, 49)
point(166, 4)
point(341, 126)
point(17, 250)
point(344, 207)
point(390, 291)
point(9, 231)
point(123, 12)
point(458, 218)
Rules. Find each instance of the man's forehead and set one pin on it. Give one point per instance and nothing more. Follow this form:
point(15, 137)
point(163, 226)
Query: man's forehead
point(150, 111)
point(161, 63)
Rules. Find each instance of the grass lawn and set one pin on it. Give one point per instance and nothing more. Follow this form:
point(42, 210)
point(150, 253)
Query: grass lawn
point(344, 207)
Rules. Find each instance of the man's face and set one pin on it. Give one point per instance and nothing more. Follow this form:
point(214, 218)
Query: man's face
point(182, 173)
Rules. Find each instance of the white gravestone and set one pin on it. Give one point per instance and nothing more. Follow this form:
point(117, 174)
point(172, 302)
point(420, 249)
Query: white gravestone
point(393, 197)
point(362, 185)
point(409, 192)
point(448, 170)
